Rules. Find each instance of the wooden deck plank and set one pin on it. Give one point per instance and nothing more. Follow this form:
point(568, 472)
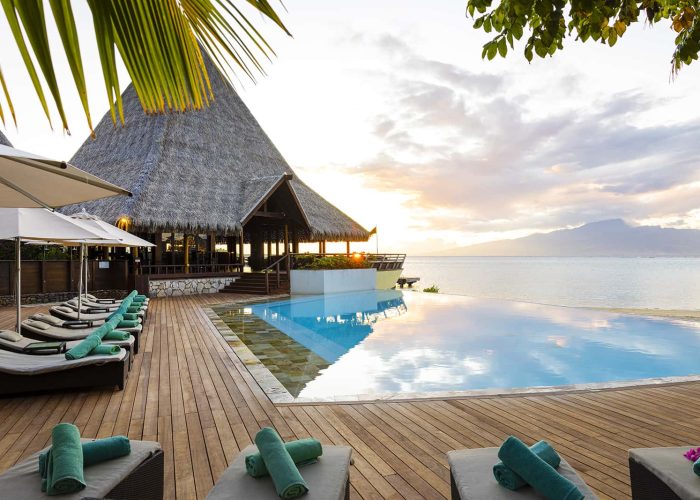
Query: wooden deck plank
point(188, 390)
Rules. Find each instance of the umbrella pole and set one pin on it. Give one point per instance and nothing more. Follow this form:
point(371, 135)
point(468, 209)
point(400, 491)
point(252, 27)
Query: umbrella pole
point(18, 278)
point(86, 271)
point(80, 283)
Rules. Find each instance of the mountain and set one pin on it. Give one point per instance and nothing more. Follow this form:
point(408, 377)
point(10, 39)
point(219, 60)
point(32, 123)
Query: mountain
point(608, 238)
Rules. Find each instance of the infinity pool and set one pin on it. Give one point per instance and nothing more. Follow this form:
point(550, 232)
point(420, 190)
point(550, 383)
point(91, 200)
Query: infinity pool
point(389, 342)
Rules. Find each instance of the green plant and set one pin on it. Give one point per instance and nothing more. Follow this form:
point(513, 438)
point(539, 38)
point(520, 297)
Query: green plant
point(604, 21)
point(329, 262)
point(160, 42)
point(432, 289)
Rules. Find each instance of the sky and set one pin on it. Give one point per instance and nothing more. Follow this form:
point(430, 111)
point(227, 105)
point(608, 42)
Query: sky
point(387, 110)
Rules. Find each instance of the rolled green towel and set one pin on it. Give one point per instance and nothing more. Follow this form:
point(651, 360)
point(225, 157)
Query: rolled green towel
point(105, 350)
point(113, 321)
point(696, 467)
point(85, 347)
point(117, 335)
point(95, 452)
point(138, 299)
point(133, 310)
point(64, 465)
point(509, 479)
point(284, 473)
point(132, 294)
point(131, 317)
point(128, 324)
point(536, 472)
point(302, 451)
point(103, 330)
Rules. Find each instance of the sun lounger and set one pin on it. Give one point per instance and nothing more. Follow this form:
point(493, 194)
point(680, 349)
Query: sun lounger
point(98, 305)
point(28, 345)
point(471, 475)
point(87, 308)
point(20, 373)
point(68, 313)
point(327, 479)
point(138, 475)
point(662, 473)
point(41, 327)
point(98, 300)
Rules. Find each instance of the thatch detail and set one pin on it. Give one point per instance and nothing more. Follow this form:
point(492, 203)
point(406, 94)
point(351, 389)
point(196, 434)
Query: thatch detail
point(200, 171)
point(4, 141)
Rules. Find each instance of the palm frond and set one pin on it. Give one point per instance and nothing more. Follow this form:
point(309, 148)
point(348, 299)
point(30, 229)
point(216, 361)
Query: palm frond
point(159, 41)
point(10, 106)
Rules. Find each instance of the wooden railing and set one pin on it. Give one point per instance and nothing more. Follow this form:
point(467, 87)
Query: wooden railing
point(180, 269)
point(276, 267)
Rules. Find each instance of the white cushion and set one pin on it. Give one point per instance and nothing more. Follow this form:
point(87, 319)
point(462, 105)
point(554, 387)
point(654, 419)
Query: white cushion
point(46, 318)
point(39, 325)
point(10, 335)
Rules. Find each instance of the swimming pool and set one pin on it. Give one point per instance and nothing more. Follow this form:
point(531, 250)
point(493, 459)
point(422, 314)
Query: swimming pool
point(393, 343)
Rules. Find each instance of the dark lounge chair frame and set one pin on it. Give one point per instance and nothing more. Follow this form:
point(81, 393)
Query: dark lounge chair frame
point(647, 486)
point(145, 482)
point(110, 373)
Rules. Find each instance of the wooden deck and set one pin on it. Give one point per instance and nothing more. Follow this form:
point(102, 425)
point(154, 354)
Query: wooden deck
point(189, 391)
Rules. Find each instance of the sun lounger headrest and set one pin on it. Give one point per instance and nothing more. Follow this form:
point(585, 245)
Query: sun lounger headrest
point(64, 309)
point(39, 325)
point(10, 335)
point(51, 320)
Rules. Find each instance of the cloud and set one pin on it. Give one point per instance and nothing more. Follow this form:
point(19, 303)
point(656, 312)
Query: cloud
point(473, 157)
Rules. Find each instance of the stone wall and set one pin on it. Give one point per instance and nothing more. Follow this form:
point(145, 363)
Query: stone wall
point(43, 298)
point(187, 286)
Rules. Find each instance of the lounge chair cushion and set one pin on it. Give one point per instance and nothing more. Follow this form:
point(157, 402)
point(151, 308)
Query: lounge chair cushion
point(23, 480)
point(39, 325)
point(472, 471)
point(26, 364)
point(326, 478)
point(671, 467)
point(10, 335)
point(47, 318)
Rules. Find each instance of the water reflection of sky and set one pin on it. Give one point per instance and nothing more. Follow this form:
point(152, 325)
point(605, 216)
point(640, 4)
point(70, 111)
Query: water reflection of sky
point(390, 342)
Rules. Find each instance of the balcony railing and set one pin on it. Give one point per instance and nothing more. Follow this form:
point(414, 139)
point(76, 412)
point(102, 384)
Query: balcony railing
point(178, 269)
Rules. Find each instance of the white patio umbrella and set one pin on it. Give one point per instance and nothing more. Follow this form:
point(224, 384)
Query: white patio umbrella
point(118, 237)
point(38, 224)
point(30, 181)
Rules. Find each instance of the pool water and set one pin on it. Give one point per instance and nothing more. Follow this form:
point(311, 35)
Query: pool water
point(327, 347)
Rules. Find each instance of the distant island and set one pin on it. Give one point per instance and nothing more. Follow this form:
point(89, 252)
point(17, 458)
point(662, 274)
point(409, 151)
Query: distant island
point(607, 238)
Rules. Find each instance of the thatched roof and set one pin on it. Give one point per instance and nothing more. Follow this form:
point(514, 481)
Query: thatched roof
point(203, 170)
point(4, 141)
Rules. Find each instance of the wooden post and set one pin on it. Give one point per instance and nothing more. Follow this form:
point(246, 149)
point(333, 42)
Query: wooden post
point(347, 245)
point(295, 241)
point(172, 248)
point(277, 245)
point(186, 247)
point(158, 249)
point(241, 256)
point(43, 276)
point(269, 245)
point(286, 239)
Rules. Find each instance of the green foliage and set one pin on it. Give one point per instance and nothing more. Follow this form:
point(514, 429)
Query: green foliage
point(330, 262)
point(160, 42)
point(549, 22)
point(34, 252)
point(432, 289)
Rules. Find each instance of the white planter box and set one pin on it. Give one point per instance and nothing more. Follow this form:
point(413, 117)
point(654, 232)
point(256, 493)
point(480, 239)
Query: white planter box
point(308, 282)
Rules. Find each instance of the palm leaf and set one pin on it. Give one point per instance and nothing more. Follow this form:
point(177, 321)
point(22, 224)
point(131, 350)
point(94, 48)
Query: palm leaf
point(8, 100)
point(159, 41)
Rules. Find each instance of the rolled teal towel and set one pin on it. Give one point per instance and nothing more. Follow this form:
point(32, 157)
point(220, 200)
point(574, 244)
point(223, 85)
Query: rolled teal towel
point(132, 294)
point(128, 324)
point(105, 350)
point(696, 467)
point(103, 330)
point(113, 321)
point(64, 465)
point(116, 335)
point(133, 310)
point(139, 298)
point(302, 451)
point(536, 472)
point(284, 473)
point(94, 452)
point(130, 316)
point(509, 479)
point(84, 348)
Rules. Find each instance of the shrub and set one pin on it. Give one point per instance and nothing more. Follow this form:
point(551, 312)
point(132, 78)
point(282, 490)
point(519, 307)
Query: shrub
point(331, 262)
point(432, 289)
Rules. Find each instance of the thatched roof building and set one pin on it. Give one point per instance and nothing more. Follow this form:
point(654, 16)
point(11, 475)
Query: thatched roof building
point(206, 171)
point(4, 140)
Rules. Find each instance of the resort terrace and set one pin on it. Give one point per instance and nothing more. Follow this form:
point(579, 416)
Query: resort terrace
point(189, 391)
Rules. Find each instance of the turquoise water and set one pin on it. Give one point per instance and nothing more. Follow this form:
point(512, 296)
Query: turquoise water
point(394, 342)
point(664, 283)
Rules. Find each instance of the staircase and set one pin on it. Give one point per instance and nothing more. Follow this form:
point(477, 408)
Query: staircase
point(254, 284)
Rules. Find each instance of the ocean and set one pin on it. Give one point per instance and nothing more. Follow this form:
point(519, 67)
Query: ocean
point(656, 283)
